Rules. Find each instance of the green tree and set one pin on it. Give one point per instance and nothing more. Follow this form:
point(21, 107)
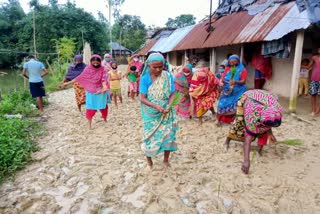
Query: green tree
point(10, 14)
point(116, 4)
point(129, 31)
point(66, 48)
point(181, 21)
point(52, 22)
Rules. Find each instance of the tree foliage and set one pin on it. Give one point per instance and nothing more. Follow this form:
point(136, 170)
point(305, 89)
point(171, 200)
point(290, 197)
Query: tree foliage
point(181, 21)
point(53, 22)
point(129, 31)
point(66, 48)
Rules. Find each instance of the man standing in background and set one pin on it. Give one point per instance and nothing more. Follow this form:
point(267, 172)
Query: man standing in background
point(32, 71)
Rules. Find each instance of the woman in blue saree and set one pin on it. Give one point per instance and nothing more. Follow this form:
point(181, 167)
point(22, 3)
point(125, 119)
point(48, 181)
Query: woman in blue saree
point(234, 80)
point(159, 117)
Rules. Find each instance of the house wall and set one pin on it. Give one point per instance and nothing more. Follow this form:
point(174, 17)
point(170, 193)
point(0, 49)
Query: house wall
point(280, 82)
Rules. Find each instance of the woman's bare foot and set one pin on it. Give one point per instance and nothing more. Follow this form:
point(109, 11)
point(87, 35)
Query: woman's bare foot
point(166, 165)
point(149, 162)
point(259, 150)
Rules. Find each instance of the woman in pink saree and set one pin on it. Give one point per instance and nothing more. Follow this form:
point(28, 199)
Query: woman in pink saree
point(182, 82)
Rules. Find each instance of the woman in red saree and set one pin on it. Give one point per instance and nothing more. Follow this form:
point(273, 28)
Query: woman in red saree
point(204, 92)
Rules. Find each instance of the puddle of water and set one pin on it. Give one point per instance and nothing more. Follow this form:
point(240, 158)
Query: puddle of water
point(134, 197)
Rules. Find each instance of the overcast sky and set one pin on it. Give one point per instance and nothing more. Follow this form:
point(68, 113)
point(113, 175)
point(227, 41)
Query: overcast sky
point(152, 12)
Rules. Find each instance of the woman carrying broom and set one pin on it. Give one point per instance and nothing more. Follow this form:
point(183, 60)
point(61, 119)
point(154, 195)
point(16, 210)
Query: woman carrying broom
point(157, 94)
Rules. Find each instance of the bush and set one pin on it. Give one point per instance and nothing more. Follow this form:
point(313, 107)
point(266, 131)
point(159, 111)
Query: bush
point(19, 102)
point(56, 75)
point(16, 144)
point(17, 136)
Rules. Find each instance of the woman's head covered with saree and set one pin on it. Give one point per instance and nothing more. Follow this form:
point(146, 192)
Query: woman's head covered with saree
point(76, 68)
point(93, 75)
point(187, 69)
point(233, 60)
point(262, 111)
point(154, 63)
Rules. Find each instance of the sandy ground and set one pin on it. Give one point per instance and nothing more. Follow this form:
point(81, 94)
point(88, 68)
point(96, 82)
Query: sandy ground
point(104, 171)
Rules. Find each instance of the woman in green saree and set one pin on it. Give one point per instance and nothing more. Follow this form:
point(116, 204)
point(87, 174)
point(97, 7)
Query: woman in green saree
point(159, 117)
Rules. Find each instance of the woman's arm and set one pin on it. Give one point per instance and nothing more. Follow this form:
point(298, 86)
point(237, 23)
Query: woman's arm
point(246, 150)
point(144, 100)
point(311, 62)
point(171, 98)
point(69, 83)
point(242, 80)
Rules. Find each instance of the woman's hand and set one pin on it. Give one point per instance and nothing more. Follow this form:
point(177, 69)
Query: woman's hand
point(167, 110)
point(159, 108)
point(232, 82)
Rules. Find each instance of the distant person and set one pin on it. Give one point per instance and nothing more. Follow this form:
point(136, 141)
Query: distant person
point(263, 69)
point(258, 111)
point(133, 84)
point(220, 71)
point(135, 61)
point(107, 60)
point(225, 61)
point(314, 89)
point(32, 71)
point(74, 70)
point(95, 81)
point(304, 78)
point(234, 85)
point(182, 82)
point(203, 92)
point(115, 83)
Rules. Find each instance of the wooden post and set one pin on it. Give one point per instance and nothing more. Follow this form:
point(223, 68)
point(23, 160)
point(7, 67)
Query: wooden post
point(184, 60)
point(296, 70)
point(213, 60)
point(241, 52)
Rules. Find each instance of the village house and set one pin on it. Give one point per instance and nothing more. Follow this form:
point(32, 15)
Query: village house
point(287, 31)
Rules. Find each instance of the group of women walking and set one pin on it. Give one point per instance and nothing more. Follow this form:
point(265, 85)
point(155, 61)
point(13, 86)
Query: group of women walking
point(252, 112)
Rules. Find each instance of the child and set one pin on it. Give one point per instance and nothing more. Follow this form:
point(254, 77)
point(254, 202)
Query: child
point(132, 77)
point(220, 71)
point(304, 77)
point(115, 86)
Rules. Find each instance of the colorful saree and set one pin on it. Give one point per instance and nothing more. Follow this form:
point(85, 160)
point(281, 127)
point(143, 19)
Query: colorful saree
point(80, 94)
point(230, 95)
point(182, 84)
point(203, 90)
point(256, 109)
point(159, 129)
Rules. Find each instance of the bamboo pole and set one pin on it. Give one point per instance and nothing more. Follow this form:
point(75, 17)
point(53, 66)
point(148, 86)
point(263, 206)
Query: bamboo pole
point(296, 70)
point(241, 52)
point(34, 35)
point(213, 60)
point(110, 15)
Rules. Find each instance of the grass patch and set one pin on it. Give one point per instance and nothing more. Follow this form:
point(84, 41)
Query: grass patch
point(19, 102)
point(17, 135)
point(291, 142)
point(17, 142)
